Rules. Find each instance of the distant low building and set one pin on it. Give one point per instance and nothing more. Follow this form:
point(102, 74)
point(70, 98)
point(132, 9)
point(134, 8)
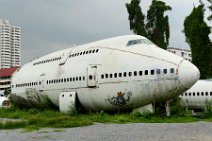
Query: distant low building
point(6, 77)
point(185, 53)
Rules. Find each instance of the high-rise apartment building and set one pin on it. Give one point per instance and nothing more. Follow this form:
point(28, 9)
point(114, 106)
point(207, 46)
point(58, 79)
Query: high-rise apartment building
point(10, 43)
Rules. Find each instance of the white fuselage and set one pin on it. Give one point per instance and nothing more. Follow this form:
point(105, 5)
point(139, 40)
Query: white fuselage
point(198, 96)
point(116, 73)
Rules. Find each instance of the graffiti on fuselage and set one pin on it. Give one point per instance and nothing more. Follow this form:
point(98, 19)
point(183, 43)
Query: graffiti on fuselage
point(121, 99)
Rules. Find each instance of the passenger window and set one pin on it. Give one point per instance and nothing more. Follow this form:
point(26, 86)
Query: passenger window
point(197, 93)
point(80, 53)
point(76, 78)
point(80, 78)
point(152, 72)
point(135, 73)
point(130, 74)
point(106, 75)
point(165, 71)
point(202, 93)
point(189, 94)
point(102, 76)
point(73, 79)
point(185, 94)
point(120, 74)
point(93, 51)
point(61, 80)
point(83, 77)
point(67, 79)
point(111, 75)
point(115, 75)
point(90, 77)
point(87, 52)
point(172, 70)
point(125, 74)
point(70, 79)
point(206, 93)
point(97, 50)
point(158, 71)
point(210, 93)
point(83, 52)
point(140, 73)
point(146, 72)
point(64, 79)
point(90, 51)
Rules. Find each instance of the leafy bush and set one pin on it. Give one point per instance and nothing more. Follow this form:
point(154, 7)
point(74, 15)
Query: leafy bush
point(176, 107)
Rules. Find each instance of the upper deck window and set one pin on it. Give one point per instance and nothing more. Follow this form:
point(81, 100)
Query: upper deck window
point(139, 41)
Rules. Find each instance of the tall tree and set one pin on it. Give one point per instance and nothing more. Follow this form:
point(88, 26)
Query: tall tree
point(136, 18)
point(157, 26)
point(209, 2)
point(197, 36)
point(210, 8)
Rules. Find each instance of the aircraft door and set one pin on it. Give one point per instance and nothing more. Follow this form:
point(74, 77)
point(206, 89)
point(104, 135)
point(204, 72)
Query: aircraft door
point(64, 57)
point(67, 101)
point(41, 82)
point(92, 76)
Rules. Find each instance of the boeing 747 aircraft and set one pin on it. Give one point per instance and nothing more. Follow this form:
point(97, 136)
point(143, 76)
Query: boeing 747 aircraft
point(198, 96)
point(123, 72)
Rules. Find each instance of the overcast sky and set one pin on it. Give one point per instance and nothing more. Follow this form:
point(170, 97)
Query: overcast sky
point(50, 25)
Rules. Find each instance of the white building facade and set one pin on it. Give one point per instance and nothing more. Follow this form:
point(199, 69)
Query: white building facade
point(186, 54)
point(10, 44)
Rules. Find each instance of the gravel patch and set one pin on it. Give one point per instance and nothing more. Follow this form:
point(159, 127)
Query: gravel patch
point(199, 131)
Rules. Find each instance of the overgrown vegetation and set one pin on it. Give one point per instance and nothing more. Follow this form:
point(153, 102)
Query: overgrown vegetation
point(34, 119)
point(176, 107)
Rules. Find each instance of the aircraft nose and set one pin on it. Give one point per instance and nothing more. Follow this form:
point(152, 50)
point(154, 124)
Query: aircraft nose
point(188, 74)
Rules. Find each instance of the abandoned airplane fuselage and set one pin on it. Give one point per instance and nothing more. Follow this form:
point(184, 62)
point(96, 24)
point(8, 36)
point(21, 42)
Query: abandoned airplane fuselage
point(199, 96)
point(124, 72)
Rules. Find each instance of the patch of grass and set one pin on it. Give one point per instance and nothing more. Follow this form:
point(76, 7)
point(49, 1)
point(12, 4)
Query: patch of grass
point(34, 119)
point(30, 128)
point(58, 130)
point(12, 125)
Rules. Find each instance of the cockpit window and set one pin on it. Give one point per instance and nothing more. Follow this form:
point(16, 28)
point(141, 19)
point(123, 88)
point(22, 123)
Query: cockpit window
point(139, 41)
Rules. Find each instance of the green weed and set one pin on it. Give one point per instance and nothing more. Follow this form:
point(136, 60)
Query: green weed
point(34, 119)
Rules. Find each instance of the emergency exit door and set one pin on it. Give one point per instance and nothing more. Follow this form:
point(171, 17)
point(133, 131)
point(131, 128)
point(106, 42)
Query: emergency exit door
point(92, 76)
